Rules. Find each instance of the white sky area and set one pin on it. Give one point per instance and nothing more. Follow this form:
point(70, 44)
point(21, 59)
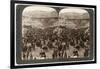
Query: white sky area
point(75, 10)
point(74, 13)
point(38, 8)
point(39, 11)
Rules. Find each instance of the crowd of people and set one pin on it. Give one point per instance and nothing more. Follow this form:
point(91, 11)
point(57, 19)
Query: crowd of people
point(55, 43)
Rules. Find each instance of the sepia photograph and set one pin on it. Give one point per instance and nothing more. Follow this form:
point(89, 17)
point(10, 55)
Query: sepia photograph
point(50, 34)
